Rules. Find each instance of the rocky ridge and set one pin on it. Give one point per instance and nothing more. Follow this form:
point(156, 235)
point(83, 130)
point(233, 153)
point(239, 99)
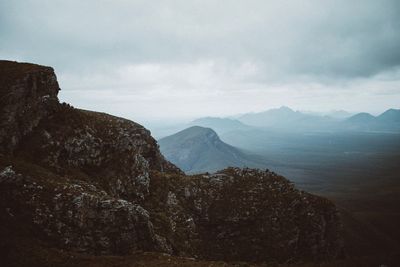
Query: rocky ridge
point(91, 182)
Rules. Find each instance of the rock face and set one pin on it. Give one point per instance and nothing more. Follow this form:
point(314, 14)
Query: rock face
point(20, 109)
point(245, 214)
point(112, 152)
point(94, 183)
point(76, 215)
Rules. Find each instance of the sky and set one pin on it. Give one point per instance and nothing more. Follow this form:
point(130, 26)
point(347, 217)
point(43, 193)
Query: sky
point(178, 60)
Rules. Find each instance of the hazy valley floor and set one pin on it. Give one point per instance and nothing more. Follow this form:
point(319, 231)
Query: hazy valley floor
point(360, 172)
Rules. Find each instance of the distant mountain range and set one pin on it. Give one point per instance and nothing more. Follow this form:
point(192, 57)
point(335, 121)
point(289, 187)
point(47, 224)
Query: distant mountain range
point(335, 114)
point(273, 117)
point(387, 121)
point(284, 118)
point(208, 145)
point(198, 149)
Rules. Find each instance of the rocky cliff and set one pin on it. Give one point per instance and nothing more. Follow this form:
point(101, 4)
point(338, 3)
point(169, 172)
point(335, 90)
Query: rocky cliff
point(28, 93)
point(90, 182)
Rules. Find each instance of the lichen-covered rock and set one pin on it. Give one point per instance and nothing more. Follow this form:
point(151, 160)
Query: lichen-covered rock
point(244, 214)
point(75, 215)
point(95, 183)
point(114, 153)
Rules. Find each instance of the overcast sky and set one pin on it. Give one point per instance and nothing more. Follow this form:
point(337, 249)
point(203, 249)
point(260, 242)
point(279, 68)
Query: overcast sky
point(157, 60)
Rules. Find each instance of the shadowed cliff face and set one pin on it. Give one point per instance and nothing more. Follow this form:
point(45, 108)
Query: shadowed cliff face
point(94, 183)
point(22, 108)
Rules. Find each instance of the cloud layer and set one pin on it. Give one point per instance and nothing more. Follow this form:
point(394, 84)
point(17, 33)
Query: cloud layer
point(193, 58)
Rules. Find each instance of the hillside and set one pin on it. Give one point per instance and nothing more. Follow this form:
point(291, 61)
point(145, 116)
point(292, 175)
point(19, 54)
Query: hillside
point(361, 118)
point(198, 149)
point(390, 116)
point(76, 184)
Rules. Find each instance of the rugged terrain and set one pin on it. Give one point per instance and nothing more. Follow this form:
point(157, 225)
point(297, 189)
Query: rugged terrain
point(76, 184)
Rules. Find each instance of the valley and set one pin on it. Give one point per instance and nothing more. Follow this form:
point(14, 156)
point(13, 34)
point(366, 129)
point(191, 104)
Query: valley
point(358, 170)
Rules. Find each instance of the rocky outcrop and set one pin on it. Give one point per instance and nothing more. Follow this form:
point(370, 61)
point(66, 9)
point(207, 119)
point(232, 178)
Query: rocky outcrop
point(75, 215)
point(244, 214)
point(94, 183)
point(111, 152)
point(28, 93)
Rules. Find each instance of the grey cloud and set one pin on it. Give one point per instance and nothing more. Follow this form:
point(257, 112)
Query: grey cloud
point(195, 58)
point(320, 38)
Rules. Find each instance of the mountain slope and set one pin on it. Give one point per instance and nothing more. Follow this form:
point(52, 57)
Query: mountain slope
point(390, 116)
point(198, 149)
point(362, 117)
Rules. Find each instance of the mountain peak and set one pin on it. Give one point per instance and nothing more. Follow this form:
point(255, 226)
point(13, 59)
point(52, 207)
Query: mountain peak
point(199, 149)
point(197, 132)
point(285, 108)
point(361, 117)
point(390, 115)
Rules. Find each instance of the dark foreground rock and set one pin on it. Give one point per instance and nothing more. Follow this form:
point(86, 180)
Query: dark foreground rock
point(94, 183)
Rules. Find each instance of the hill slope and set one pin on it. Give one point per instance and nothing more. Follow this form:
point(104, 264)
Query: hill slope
point(198, 149)
point(390, 116)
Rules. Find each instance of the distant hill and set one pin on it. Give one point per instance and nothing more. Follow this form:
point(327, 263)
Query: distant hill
point(271, 117)
point(339, 114)
point(221, 125)
point(198, 149)
point(287, 119)
point(387, 121)
point(362, 117)
point(390, 115)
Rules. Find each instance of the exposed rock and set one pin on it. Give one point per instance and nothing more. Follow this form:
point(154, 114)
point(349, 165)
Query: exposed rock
point(76, 215)
point(95, 183)
point(28, 93)
point(114, 153)
point(245, 214)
